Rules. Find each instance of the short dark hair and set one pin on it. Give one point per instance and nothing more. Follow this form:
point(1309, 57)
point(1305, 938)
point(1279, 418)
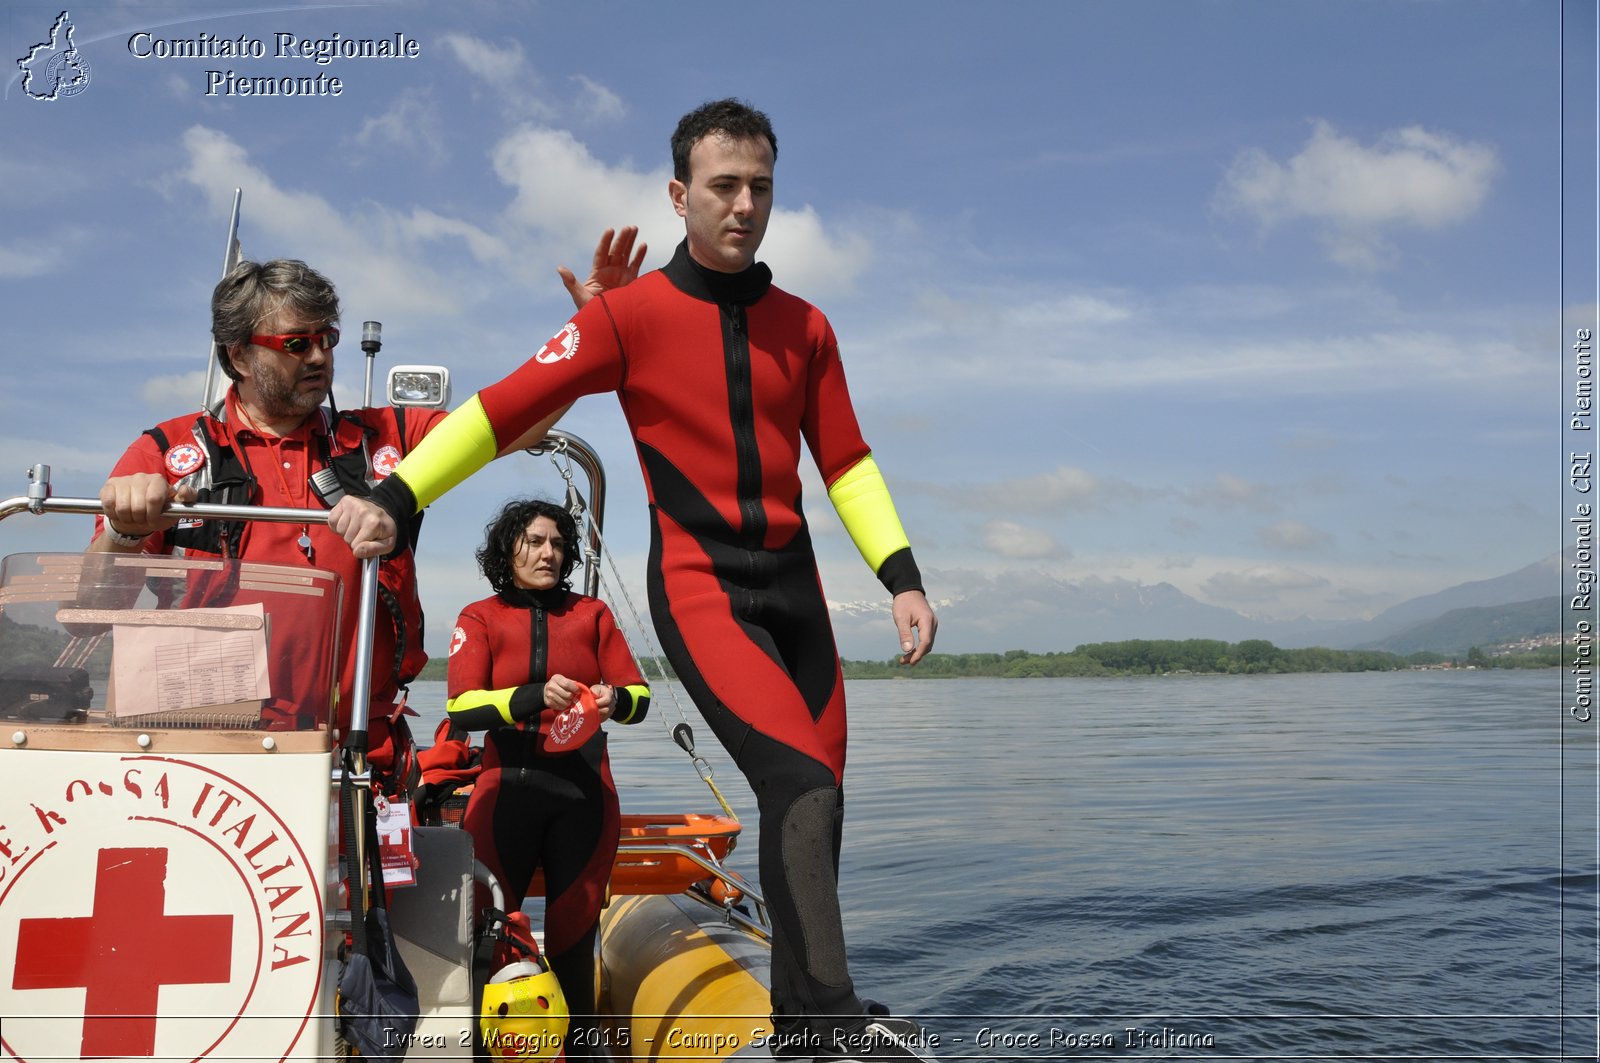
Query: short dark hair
point(252, 290)
point(502, 537)
point(728, 118)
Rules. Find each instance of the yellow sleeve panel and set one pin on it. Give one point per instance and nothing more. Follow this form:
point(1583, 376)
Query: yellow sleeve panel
point(861, 499)
point(471, 706)
point(638, 703)
point(462, 444)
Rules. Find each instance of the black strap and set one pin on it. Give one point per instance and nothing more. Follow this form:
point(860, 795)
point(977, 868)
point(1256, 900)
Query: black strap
point(390, 602)
point(347, 817)
point(359, 901)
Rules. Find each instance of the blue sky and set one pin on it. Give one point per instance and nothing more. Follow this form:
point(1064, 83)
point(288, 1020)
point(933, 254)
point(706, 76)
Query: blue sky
point(1260, 299)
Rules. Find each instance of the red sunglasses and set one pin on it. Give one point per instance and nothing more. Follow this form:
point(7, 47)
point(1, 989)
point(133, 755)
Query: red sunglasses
point(299, 343)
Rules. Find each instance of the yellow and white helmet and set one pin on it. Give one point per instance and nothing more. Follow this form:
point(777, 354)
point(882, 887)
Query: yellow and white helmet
point(524, 1015)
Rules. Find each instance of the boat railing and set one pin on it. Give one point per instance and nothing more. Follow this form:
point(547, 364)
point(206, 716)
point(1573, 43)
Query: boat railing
point(355, 773)
point(39, 501)
point(558, 442)
point(725, 900)
point(688, 861)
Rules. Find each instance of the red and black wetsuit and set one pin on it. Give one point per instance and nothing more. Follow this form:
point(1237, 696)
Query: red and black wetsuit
point(720, 377)
point(533, 810)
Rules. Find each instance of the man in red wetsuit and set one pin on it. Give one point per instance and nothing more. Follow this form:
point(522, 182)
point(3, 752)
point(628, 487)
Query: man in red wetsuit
point(721, 375)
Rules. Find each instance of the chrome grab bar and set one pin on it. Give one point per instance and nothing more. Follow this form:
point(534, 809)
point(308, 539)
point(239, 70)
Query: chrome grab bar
point(38, 501)
point(558, 441)
point(700, 859)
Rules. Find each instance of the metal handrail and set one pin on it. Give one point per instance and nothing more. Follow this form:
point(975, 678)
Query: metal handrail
point(366, 616)
point(689, 852)
point(557, 441)
point(39, 501)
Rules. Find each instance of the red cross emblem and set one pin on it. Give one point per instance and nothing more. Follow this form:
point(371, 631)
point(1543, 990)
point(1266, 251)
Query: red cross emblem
point(184, 459)
point(124, 953)
point(385, 460)
point(563, 344)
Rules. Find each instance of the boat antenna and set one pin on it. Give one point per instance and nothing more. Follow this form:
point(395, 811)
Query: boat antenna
point(212, 399)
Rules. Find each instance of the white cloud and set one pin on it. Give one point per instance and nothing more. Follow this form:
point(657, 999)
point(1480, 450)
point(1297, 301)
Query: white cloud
point(174, 391)
point(412, 122)
point(991, 340)
point(806, 258)
point(45, 252)
point(596, 102)
point(33, 179)
point(1292, 535)
point(426, 225)
point(991, 314)
point(63, 458)
point(490, 62)
point(1063, 489)
point(31, 258)
point(502, 71)
point(1411, 178)
point(1260, 584)
point(1228, 493)
point(565, 193)
point(1073, 310)
point(1009, 539)
point(377, 258)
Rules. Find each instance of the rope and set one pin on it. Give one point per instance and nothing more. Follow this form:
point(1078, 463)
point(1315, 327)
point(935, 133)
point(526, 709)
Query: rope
point(682, 734)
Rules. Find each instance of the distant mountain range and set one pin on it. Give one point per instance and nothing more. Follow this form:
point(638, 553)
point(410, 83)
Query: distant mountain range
point(1480, 625)
point(1038, 613)
point(1541, 580)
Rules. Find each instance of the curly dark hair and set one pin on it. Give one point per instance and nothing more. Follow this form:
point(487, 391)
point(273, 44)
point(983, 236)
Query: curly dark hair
point(502, 536)
point(728, 118)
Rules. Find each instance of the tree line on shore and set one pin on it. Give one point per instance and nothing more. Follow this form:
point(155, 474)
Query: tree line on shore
point(1152, 657)
point(1169, 656)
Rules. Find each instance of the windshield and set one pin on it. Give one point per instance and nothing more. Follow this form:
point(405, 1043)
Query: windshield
point(104, 640)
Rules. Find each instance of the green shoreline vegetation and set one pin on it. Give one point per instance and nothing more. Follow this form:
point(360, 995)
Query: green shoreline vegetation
point(1186, 657)
point(1161, 657)
point(26, 644)
point(29, 644)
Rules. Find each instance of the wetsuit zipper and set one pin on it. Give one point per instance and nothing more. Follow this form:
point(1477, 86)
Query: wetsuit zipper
point(741, 413)
point(541, 654)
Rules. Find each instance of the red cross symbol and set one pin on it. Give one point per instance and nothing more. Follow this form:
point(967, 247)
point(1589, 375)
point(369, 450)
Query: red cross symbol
point(563, 344)
point(124, 953)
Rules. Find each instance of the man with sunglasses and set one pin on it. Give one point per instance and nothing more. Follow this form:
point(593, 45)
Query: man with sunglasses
point(271, 441)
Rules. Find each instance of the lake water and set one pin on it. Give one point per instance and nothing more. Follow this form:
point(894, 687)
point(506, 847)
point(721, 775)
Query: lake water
point(1307, 867)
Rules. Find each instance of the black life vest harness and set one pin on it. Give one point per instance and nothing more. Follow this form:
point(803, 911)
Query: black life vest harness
point(223, 478)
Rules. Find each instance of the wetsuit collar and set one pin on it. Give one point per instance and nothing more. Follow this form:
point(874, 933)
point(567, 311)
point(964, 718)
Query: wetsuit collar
point(691, 278)
point(525, 598)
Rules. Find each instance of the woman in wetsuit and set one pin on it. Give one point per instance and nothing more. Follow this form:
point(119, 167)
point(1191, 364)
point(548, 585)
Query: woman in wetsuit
point(517, 660)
